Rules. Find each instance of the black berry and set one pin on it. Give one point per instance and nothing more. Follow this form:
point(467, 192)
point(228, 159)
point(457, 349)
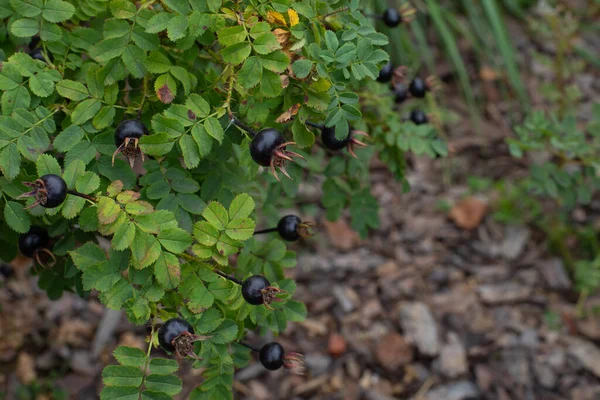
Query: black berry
point(56, 190)
point(264, 144)
point(130, 128)
point(33, 241)
point(392, 17)
point(268, 148)
point(418, 117)
point(254, 288)
point(38, 54)
point(288, 228)
point(418, 87)
point(331, 142)
point(386, 73)
point(272, 356)
point(400, 93)
point(171, 330)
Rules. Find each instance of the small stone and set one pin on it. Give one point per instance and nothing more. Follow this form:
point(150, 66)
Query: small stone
point(555, 275)
point(462, 390)
point(453, 358)
point(393, 351)
point(317, 363)
point(544, 375)
point(420, 328)
point(506, 292)
point(344, 298)
point(336, 344)
point(252, 371)
point(587, 353)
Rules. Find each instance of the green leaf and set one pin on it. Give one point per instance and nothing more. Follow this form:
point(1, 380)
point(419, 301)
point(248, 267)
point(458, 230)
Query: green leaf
point(85, 111)
point(68, 138)
point(216, 215)
point(175, 240)
point(87, 255)
point(225, 333)
point(206, 234)
point(16, 218)
point(302, 68)
point(124, 236)
point(236, 53)
point(266, 43)
point(50, 33)
point(364, 211)
point(157, 144)
point(72, 90)
point(241, 206)
point(108, 210)
point(57, 11)
point(270, 84)
point(163, 366)
point(28, 8)
point(240, 228)
point(277, 61)
point(122, 9)
point(213, 128)
point(105, 117)
point(120, 375)
point(133, 58)
point(25, 27)
point(302, 136)
point(46, 164)
point(10, 161)
point(119, 393)
point(130, 356)
point(198, 105)
point(177, 27)
point(152, 395)
point(145, 249)
point(42, 84)
point(193, 288)
point(167, 270)
point(169, 384)
point(231, 35)
point(209, 320)
point(189, 149)
point(250, 73)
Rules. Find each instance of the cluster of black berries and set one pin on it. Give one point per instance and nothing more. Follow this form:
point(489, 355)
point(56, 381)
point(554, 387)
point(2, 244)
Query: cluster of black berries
point(417, 88)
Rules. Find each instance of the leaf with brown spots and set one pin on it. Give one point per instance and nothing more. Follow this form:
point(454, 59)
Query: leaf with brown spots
point(166, 88)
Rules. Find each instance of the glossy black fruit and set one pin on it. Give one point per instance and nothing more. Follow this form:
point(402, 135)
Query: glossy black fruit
point(386, 73)
point(170, 330)
point(400, 93)
point(252, 289)
point(392, 17)
point(56, 190)
point(38, 54)
point(418, 117)
point(272, 356)
point(288, 228)
point(263, 144)
point(418, 87)
point(330, 141)
point(36, 239)
point(130, 128)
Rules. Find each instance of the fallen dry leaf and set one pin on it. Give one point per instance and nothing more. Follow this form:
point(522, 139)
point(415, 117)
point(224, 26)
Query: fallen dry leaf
point(468, 212)
point(286, 116)
point(394, 351)
point(337, 345)
point(341, 235)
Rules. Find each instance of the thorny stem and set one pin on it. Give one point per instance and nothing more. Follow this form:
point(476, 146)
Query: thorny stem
point(85, 196)
point(229, 95)
point(241, 125)
point(144, 94)
point(265, 231)
point(318, 126)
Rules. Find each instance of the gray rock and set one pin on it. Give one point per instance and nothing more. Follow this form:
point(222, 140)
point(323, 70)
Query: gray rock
point(555, 275)
point(544, 375)
point(419, 327)
point(506, 292)
point(454, 391)
point(453, 358)
point(317, 363)
point(586, 353)
point(252, 371)
point(515, 239)
point(516, 364)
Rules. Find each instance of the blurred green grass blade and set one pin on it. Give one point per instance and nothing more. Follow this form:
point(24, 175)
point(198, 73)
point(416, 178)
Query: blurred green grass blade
point(417, 29)
point(506, 50)
point(453, 52)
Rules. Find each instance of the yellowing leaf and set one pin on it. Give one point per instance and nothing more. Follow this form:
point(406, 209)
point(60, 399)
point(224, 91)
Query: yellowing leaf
point(275, 17)
point(294, 19)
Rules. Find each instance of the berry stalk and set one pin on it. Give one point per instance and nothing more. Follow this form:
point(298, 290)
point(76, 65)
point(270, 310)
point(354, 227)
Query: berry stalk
point(265, 231)
point(84, 196)
point(241, 125)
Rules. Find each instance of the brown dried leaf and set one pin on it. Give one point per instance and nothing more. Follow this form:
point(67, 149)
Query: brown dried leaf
point(468, 213)
point(286, 116)
point(165, 94)
point(25, 369)
point(282, 36)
